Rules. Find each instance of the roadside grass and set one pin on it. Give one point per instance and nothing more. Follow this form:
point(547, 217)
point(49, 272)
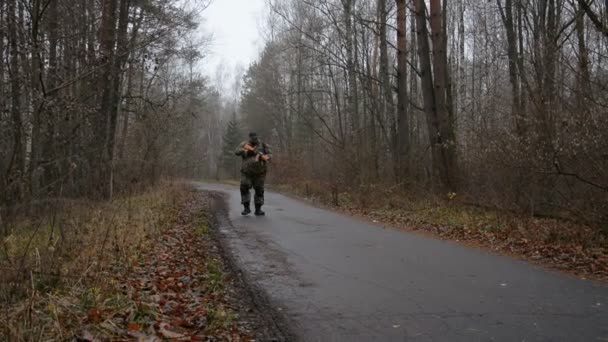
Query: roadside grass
point(232, 182)
point(226, 181)
point(561, 244)
point(182, 287)
point(143, 267)
point(59, 265)
point(201, 224)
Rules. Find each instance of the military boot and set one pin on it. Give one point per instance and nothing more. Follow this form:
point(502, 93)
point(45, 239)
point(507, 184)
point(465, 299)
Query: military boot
point(247, 209)
point(258, 210)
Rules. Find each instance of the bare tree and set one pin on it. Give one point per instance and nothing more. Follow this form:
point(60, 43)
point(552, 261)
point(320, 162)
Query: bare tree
point(403, 130)
point(69, 71)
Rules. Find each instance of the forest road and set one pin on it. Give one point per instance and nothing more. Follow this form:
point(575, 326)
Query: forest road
point(336, 278)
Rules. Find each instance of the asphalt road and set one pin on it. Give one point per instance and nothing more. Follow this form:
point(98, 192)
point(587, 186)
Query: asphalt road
point(336, 278)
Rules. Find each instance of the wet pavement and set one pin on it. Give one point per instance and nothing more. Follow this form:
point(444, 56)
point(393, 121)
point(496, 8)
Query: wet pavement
point(336, 278)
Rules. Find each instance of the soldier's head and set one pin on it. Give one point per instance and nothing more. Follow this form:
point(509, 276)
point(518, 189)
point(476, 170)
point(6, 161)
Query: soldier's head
point(253, 138)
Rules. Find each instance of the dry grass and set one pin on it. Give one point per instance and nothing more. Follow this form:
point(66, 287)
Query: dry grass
point(60, 263)
point(232, 182)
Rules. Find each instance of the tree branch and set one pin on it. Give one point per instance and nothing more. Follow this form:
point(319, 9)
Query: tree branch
point(594, 18)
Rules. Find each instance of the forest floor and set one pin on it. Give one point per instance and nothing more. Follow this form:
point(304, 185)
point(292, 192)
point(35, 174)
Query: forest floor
point(148, 267)
point(564, 245)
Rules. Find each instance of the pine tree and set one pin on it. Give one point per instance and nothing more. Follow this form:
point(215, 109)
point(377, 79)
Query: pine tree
point(232, 138)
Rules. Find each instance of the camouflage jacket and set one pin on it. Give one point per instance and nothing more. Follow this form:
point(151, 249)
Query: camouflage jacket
point(252, 162)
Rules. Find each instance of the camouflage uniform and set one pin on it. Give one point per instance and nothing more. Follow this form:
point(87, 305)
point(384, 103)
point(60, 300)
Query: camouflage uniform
point(253, 172)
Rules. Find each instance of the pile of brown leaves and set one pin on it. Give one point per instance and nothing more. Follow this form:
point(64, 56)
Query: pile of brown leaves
point(180, 290)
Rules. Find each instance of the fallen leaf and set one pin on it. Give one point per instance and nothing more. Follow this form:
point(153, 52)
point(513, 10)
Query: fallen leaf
point(94, 315)
point(134, 326)
point(162, 329)
point(87, 336)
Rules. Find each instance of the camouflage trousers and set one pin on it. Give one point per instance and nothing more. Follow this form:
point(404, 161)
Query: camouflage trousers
point(257, 183)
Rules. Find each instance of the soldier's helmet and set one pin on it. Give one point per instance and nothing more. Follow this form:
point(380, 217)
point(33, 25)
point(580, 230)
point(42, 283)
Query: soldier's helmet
point(253, 137)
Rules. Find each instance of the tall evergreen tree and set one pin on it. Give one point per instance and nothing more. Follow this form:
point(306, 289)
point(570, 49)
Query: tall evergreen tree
point(232, 137)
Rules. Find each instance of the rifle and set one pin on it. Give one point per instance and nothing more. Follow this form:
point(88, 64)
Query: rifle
point(259, 154)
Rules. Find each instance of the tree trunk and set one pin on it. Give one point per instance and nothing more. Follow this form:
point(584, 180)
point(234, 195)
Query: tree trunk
point(126, 113)
point(2, 67)
point(51, 171)
point(102, 160)
point(446, 139)
point(17, 163)
point(385, 79)
point(449, 94)
point(36, 72)
point(403, 130)
point(121, 55)
point(520, 63)
point(461, 88)
point(130, 76)
point(414, 134)
point(583, 77)
point(441, 135)
point(353, 101)
point(550, 59)
point(426, 76)
point(509, 23)
point(375, 103)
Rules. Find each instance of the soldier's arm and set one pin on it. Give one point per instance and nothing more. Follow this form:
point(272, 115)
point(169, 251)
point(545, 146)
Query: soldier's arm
point(240, 151)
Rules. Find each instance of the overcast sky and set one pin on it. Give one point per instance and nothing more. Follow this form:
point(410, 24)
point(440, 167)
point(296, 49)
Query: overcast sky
point(235, 28)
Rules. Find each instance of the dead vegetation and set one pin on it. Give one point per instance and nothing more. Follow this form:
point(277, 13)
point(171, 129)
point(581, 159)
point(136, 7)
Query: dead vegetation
point(143, 266)
point(58, 264)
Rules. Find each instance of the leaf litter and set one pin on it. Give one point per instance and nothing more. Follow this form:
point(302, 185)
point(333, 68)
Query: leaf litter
point(179, 290)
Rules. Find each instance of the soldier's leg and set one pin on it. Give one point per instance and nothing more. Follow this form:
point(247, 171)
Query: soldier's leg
point(246, 184)
point(258, 186)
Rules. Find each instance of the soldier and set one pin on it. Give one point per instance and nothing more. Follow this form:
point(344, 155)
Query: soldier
point(255, 155)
